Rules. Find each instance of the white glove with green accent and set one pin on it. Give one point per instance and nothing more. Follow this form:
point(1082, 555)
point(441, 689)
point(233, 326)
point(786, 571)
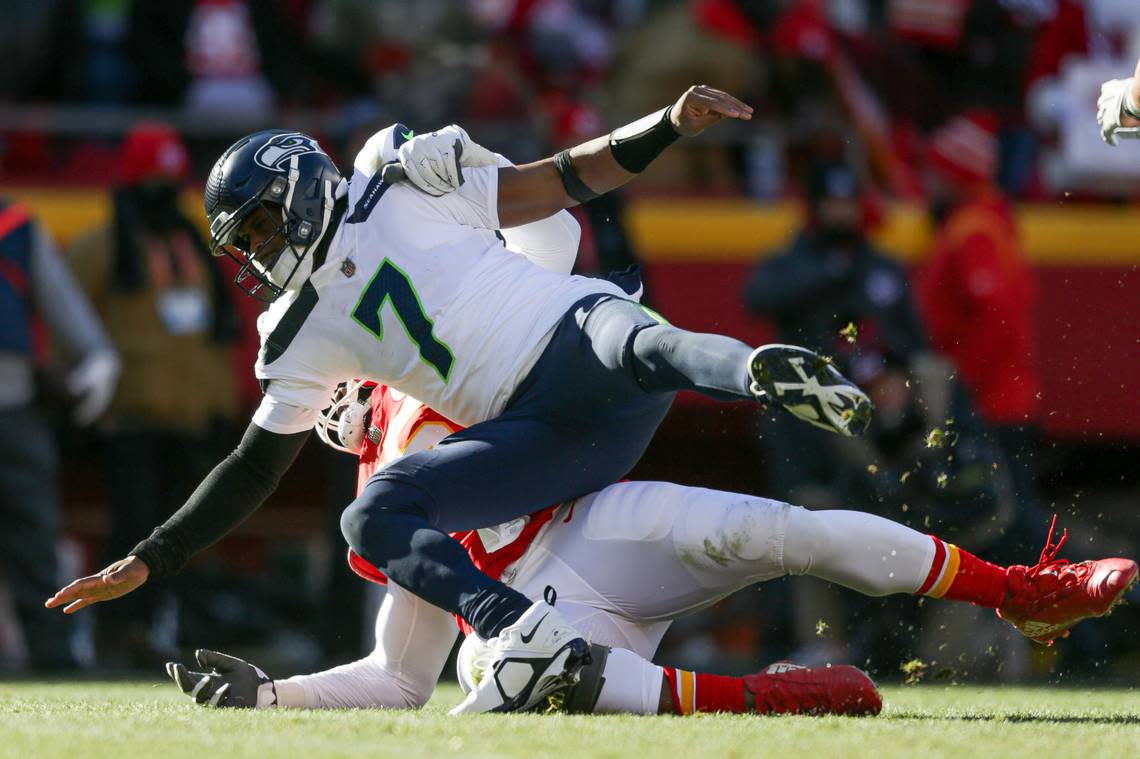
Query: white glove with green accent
point(434, 162)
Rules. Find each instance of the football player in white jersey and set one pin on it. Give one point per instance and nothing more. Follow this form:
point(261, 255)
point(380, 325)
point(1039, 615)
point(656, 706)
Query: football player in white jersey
point(561, 381)
point(626, 562)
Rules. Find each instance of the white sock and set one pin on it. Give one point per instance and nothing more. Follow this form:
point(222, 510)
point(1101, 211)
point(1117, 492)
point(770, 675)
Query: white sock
point(632, 686)
point(866, 553)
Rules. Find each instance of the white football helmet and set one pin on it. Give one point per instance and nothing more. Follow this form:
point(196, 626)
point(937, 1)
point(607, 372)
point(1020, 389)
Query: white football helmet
point(471, 662)
point(344, 424)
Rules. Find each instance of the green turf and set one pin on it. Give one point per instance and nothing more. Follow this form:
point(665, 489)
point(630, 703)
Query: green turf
point(47, 720)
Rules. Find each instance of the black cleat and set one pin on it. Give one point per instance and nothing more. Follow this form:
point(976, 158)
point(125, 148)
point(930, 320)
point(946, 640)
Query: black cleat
point(810, 388)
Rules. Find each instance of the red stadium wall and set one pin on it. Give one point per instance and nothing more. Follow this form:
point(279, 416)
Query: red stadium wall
point(699, 254)
point(1088, 335)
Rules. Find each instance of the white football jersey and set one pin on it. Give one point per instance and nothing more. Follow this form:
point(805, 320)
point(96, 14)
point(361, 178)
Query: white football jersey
point(418, 293)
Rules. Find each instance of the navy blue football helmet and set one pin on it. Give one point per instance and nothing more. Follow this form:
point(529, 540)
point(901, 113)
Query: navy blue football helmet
point(269, 200)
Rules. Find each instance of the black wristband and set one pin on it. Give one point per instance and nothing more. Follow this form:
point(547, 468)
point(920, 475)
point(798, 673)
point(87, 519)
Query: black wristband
point(634, 146)
point(571, 182)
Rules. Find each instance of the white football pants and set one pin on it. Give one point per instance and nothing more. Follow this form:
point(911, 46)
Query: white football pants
point(628, 560)
point(625, 562)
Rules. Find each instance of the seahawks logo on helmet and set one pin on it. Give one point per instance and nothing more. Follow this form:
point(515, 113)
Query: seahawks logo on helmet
point(275, 153)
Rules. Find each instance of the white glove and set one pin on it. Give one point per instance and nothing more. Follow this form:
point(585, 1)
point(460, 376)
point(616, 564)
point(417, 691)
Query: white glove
point(1110, 107)
point(93, 384)
point(433, 162)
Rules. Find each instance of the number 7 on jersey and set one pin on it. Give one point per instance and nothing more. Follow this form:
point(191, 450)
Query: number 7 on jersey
point(391, 284)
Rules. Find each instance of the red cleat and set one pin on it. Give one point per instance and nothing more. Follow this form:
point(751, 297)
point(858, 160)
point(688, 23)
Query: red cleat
point(785, 688)
point(1047, 599)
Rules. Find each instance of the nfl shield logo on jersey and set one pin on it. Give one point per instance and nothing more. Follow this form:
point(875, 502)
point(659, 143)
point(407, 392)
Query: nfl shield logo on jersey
point(275, 153)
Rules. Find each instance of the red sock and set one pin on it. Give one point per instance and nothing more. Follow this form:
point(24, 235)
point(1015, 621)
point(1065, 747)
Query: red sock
point(700, 692)
point(959, 575)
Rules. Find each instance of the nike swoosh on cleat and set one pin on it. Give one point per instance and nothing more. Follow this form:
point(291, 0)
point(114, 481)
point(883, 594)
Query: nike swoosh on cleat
point(533, 630)
point(408, 134)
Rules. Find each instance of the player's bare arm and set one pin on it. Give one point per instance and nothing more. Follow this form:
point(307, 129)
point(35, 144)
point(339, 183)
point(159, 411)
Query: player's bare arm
point(536, 190)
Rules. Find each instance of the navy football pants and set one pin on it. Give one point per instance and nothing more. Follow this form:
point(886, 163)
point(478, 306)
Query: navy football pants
point(579, 422)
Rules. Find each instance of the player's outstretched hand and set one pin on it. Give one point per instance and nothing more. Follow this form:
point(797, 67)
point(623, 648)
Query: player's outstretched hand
point(702, 106)
point(116, 580)
point(225, 681)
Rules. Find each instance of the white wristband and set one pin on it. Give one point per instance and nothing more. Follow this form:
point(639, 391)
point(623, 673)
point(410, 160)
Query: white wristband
point(266, 695)
point(290, 695)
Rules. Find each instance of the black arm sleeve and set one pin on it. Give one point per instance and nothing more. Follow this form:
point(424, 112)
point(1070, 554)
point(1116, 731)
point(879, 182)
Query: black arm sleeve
point(229, 494)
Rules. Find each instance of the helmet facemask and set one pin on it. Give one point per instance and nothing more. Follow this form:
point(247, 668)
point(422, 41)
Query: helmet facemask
point(344, 424)
point(270, 244)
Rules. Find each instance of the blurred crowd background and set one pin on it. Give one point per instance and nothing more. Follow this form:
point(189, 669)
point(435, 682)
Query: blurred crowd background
point(922, 195)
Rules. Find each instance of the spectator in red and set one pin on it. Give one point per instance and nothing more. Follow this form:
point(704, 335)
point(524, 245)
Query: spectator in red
point(976, 293)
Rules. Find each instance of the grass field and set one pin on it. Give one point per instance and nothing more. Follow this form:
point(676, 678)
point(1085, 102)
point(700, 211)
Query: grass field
point(77, 721)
